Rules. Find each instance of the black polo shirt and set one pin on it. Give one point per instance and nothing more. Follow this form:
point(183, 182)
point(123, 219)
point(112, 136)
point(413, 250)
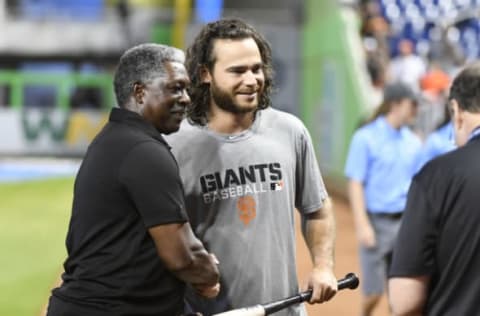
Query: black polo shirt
point(440, 233)
point(128, 182)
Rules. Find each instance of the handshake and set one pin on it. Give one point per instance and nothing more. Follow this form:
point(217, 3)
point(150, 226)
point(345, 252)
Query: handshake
point(209, 290)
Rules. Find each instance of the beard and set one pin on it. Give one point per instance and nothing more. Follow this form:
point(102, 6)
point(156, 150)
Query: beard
point(226, 102)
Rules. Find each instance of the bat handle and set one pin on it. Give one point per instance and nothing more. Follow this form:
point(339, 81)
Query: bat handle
point(350, 281)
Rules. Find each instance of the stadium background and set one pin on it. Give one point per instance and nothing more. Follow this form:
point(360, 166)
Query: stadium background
point(56, 63)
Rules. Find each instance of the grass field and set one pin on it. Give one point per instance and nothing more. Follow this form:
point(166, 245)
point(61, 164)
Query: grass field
point(33, 223)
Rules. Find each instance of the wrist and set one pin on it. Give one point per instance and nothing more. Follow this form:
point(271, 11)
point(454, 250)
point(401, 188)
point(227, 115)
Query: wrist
point(323, 264)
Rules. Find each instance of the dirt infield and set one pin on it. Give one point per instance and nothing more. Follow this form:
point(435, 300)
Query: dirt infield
point(346, 302)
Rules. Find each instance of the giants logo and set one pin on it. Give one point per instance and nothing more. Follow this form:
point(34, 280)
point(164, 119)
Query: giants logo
point(244, 184)
point(252, 174)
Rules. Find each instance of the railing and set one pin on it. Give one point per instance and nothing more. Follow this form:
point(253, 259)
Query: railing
point(64, 85)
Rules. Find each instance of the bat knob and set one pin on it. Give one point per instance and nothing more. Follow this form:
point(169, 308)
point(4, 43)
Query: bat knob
point(350, 281)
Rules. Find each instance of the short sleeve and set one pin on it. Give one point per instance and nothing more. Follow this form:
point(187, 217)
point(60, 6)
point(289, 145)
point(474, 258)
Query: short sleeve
point(356, 166)
point(414, 250)
point(150, 176)
point(310, 188)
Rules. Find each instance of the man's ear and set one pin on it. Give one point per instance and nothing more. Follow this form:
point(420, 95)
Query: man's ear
point(138, 92)
point(458, 114)
point(205, 75)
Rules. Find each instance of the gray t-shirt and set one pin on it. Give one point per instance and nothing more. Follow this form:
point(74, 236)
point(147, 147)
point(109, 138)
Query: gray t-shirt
point(241, 191)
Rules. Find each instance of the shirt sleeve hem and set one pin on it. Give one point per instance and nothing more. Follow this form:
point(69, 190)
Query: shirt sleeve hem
point(410, 274)
point(310, 209)
point(167, 221)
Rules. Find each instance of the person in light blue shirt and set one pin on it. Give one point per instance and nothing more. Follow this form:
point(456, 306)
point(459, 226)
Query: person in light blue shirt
point(382, 159)
point(437, 143)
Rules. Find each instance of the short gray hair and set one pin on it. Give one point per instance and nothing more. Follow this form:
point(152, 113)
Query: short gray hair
point(141, 64)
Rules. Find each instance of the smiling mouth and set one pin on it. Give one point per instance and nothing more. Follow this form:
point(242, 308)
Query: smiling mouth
point(178, 110)
point(179, 113)
point(248, 94)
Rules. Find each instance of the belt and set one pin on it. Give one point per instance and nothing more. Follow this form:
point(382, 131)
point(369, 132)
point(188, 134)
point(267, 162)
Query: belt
point(396, 215)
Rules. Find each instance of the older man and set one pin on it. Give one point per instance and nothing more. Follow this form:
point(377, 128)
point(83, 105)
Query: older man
point(130, 247)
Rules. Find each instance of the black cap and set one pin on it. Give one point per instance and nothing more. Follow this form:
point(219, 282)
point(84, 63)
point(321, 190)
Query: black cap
point(397, 91)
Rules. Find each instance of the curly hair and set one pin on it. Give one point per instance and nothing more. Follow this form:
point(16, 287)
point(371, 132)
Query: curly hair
point(141, 64)
point(465, 88)
point(200, 54)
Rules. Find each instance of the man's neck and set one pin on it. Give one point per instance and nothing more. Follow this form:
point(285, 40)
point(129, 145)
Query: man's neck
point(393, 120)
point(224, 122)
point(472, 121)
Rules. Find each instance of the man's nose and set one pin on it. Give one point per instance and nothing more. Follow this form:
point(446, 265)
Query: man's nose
point(250, 78)
point(185, 97)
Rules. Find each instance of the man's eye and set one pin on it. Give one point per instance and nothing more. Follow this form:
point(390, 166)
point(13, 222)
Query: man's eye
point(257, 70)
point(177, 88)
point(238, 71)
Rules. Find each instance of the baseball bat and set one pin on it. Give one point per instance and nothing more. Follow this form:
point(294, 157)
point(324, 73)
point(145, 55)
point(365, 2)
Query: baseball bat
point(350, 281)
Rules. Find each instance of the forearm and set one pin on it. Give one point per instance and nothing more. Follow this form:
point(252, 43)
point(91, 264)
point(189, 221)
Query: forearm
point(356, 197)
point(183, 254)
point(415, 313)
point(200, 269)
point(408, 296)
point(320, 236)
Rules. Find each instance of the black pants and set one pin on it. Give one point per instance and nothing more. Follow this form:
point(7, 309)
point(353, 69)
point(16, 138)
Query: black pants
point(59, 307)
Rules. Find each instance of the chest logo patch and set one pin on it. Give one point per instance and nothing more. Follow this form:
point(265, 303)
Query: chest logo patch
point(247, 209)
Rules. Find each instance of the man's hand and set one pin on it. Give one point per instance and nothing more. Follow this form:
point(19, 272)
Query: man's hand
point(366, 236)
point(323, 283)
point(207, 291)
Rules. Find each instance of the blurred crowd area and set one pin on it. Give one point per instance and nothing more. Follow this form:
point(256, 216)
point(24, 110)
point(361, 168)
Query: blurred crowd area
point(423, 43)
point(62, 53)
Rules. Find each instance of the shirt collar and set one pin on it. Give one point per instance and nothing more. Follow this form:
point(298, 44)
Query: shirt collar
point(474, 134)
point(385, 126)
point(134, 119)
point(239, 136)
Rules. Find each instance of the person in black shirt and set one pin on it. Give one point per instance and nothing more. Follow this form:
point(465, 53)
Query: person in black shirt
point(130, 246)
point(437, 254)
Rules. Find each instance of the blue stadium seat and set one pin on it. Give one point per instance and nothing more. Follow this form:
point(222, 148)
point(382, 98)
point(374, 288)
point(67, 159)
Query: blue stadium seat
point(89, 10)
point(416, 19)
point(43, 96)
